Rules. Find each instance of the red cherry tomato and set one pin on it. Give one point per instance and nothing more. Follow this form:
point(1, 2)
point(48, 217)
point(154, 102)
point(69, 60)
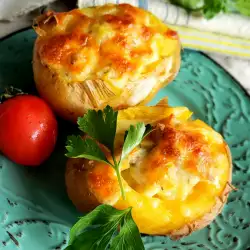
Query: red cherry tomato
point(28, 130)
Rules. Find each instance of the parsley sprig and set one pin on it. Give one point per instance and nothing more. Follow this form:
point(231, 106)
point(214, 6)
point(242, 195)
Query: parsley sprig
point(210, 8)
point(100, 126)
point(105, 227)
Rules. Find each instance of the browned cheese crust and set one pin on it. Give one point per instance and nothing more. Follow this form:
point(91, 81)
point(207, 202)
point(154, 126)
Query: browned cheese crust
point(114, 54)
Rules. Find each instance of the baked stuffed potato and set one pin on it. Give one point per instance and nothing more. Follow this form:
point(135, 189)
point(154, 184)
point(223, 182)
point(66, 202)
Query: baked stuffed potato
point(113, 54)
point(177, 180)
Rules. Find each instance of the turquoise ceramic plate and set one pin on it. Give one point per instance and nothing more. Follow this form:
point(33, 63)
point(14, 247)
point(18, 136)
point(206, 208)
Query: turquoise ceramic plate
point(35, 212)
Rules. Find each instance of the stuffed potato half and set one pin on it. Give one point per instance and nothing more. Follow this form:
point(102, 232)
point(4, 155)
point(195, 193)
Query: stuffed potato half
point(113, 54)
point(177, 180)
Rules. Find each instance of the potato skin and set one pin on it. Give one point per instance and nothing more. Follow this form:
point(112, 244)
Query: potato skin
point(79, 192)
point(69, 101)
point(77, 66)
point(79, 183)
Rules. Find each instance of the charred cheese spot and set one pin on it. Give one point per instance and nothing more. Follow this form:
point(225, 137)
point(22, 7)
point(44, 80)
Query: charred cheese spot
point(171, 34)
point(102, 182)
point(57, 49)
point(118, 21)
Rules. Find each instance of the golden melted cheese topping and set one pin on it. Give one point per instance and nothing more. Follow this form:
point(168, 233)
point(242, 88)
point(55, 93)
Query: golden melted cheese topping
point(175, 175)
point(115, 43)
point(183, 156)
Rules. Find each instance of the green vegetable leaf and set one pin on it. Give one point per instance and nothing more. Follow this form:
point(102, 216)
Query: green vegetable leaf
point(147, 131)
point(100, 125)
point(189, 4)
point(243, 6)
point(129, 235)
point(211, 8)
point(70, 248)
point(214, 7)
point(133, 138)
point(87, 148)
point(100, 229)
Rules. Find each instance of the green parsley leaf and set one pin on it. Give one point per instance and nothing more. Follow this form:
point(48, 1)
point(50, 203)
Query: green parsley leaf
point(128, 237)
point(211, 8)
point(133, 138)
point(189, 4)
point(105, 227)
point(100, 125)
point(243, 6)
point(87, 148)
point(70, 248)
point(214, 7)
point(147, 131)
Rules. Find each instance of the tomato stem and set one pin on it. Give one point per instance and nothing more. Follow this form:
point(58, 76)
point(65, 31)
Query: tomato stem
point(9, 93)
